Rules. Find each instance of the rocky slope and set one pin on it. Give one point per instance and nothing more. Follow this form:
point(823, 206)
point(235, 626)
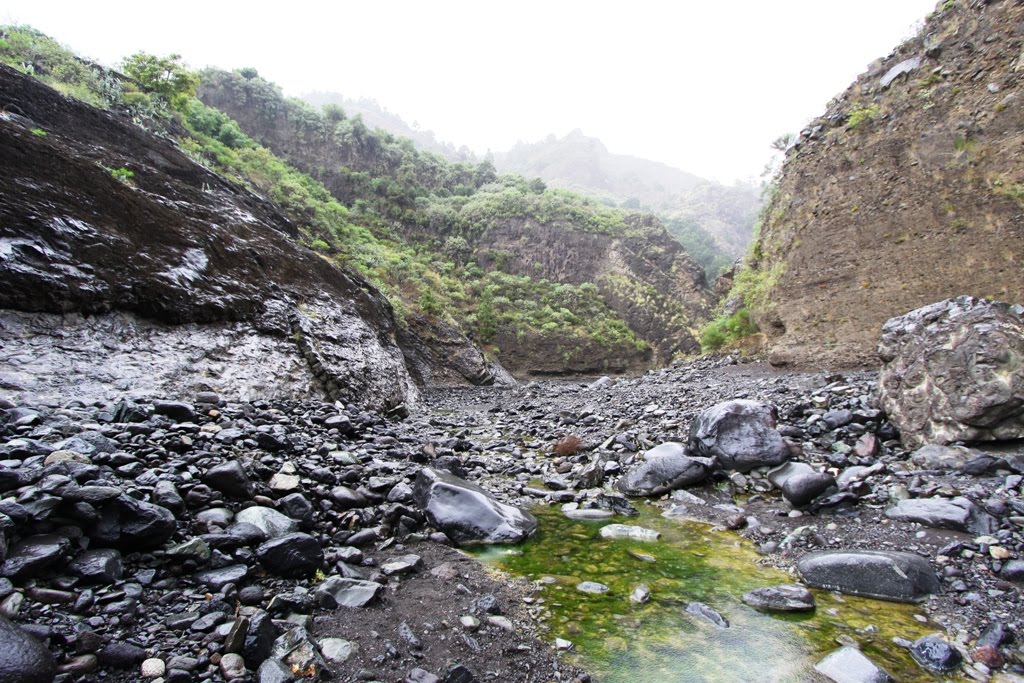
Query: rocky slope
point(643, 276)
point(128, 265)
point(583, 164)
point(907, 190)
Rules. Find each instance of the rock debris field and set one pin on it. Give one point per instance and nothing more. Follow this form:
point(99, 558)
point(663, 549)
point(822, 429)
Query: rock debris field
point(270, 541)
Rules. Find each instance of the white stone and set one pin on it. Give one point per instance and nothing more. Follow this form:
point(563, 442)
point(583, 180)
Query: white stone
point(153, 667)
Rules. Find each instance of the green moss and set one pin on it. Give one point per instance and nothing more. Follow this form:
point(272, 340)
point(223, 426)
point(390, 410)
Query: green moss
point(620, 641)
point(726, 329)
point(860, 115)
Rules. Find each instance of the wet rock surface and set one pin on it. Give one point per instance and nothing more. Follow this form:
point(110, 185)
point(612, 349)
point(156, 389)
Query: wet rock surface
point(377, 573)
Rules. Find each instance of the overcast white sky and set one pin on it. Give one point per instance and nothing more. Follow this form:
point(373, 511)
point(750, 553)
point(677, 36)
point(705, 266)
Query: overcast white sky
point(703, 86)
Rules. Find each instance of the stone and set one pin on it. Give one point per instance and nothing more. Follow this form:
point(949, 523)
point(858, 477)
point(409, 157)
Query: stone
point(268, 520)
point(935, 654)
point(886, 575)
point(296, 649)
point(232, 666)
point(467, 513)
point(699, 609)
point(216, 579)
point(591, 587)
point(259, 639)
point(663, 468)
point(640, 595)
point(122, 655)
point(404, 564)
point(33, 555)
point(23, 659)
point(957, 514)
point(954, 371)
point(273, 671)
point(284, 483)
point(344, 592)
point(177, 411)
point(588, 514)
point(1012, 571)
point(154, 667)
point(131, 524)
point(292, 555)
point(634, 533)
point(850, 665)
point(938, 457)
point(741, 434)
point(100, 566)
point(231, 479)
point(337, 650)
point(800, 483)
point(784, 598)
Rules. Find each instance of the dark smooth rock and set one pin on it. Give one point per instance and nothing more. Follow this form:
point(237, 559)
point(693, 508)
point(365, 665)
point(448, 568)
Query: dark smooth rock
point(467, 513)
point(1012, 571)
point(800, 483)
point(268, 520)
point(935, 654)
point(31, 556)
point(88, 443)
point(896, 576)
point(850, 665)
point(292, 555)
point(230, 478)
point(131, 524)
point(23, 659)
point(122, 655)
point(336, 591)
point(663, 469)
point(101, 566)
point(954, 371)
point(297, 506)
point(701, 610)
point(259, 638)
point(741, 434)
point(958, 514)
point(785, 598)
point(216, 579)
point(177, 411)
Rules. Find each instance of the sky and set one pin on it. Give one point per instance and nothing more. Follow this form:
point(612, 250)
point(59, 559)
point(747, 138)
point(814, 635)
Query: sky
point(702, 86)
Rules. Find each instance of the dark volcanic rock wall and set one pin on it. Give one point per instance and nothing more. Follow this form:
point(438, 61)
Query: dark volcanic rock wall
point(176, 246)
point(909, 190)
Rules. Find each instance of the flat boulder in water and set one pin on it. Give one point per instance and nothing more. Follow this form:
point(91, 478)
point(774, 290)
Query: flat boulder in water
point(741, 434)
point(467, 513)
point(699, 609)
point(850, 665)
point(895, 576)
point(785, 598)
point(628, 531)
point(663, 469)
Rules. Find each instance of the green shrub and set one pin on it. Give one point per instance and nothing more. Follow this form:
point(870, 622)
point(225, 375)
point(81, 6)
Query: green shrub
point(726, 329)
point(861, 115)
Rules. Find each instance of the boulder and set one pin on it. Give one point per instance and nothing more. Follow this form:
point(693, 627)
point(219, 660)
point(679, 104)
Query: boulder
point(292, 555)
point(230, 478)
point(850, 665)
point(131, 524)
point(467, 513)
point(954, 371)
point(699, 609)
point(934, 456)
point(23, 659)
point(935, 654)
point(957, 514)
point(268, 520)
point(895, 576)
point(663, 468)
point(741, 434)
point(627, 531)
point(101, 566)
point(800, 483)
point(785, 598)
point(33, 555)
point(337, 591)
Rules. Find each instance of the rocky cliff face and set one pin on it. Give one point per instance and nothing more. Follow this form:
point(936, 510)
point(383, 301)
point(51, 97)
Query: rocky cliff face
point(908, 190)
point(127, 265)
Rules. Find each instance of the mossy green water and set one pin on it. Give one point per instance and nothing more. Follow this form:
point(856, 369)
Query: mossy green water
point(658, 642)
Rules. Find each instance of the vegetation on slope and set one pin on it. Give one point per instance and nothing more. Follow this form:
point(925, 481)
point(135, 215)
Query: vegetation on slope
point(410, 221)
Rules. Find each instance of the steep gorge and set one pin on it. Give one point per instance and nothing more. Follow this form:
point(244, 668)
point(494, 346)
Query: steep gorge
point(908, 190)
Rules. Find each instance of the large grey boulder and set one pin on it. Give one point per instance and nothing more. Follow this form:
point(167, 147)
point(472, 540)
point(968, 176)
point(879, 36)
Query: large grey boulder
point(741, 434)
point(663, 469)
point(954, 371)
point(467, 513)
point(958, 514)
point(895, 576)
point(23, 659)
